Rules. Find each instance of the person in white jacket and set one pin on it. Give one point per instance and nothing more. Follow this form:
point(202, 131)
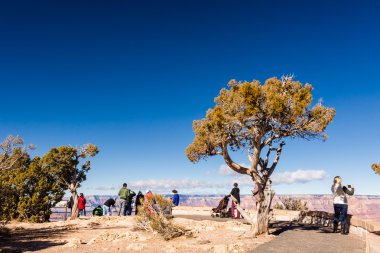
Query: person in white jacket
point(340, 203)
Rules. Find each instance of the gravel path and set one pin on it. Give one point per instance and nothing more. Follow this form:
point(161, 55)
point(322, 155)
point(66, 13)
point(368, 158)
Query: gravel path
point(310, 239)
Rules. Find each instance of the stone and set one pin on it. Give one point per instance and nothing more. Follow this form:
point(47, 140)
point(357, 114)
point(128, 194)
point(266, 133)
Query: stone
point(73, 243)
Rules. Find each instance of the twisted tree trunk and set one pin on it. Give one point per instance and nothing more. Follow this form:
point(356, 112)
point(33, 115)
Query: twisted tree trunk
point(263, 209)
point(74, 209)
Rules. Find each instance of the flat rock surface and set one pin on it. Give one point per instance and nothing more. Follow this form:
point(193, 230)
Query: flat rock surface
point(312, 239)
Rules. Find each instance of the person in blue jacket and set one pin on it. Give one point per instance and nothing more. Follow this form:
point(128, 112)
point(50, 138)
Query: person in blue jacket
point(175, 198)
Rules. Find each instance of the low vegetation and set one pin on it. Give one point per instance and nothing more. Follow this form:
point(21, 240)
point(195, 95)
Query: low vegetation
point(154, 216)
point(291, 204)
point(30, 187)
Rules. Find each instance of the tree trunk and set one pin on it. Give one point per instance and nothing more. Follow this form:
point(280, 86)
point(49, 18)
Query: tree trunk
point(74, 210)
point(263, 208)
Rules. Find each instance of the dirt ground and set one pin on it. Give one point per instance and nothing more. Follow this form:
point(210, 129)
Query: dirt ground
point(118, 234)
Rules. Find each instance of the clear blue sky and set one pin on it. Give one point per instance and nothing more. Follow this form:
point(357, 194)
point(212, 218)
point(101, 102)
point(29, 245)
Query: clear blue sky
point(130, 76)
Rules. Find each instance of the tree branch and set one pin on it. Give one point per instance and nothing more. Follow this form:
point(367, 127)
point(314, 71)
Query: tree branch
point(234, 166)
point(279, 150)
point(250, 158)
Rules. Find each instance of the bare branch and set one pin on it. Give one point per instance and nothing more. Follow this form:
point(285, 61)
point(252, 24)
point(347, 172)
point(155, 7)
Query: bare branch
point(279, 150)
point(234, 166)
point(250, 158)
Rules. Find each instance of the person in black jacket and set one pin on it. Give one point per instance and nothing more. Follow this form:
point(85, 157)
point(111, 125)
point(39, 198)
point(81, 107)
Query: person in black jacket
point(70, 204)
point(236, 193)
point(131, 195)
point(107, 207)
point(139, 201)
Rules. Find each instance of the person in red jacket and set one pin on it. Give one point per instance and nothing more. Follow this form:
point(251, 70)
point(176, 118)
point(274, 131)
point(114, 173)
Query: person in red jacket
point(82, 205)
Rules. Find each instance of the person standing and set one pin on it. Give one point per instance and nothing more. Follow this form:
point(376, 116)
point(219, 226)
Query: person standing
point(82, 205)
point(107, 206)
point(175, 198)
point(131, 194)
point(123, 195)
point(340, 203)
point(139, 201)
point(70, 204)
point(235, 192)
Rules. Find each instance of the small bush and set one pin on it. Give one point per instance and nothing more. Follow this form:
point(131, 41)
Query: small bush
point(291, 204)
point(153, 216)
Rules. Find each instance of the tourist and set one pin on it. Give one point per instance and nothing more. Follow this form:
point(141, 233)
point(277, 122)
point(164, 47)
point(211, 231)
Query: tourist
point(123, 195)
point(70, 204)
point(235, 192)
point(131, 194)
point(340, 203)
point(175, 198)
point(82, 205)
point(139, 201)
point(107, 206)
point(148, 194)
point(98, 211)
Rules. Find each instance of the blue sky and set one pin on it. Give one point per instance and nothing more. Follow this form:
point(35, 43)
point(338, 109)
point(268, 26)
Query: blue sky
point(130, 76)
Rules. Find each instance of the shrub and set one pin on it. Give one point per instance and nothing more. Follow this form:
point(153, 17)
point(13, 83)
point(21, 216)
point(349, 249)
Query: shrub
point(154, 215)
point(291, 204)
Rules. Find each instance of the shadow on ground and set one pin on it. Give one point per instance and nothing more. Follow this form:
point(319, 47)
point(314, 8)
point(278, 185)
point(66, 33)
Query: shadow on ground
point(21, 240)
point(294, 238)
point(279, 227)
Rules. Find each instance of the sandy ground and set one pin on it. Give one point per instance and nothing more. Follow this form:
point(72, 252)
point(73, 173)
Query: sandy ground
point(118, 234)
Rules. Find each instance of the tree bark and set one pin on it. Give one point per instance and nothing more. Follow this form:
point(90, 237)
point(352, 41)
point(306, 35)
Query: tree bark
point(263, 208)
point(74, 210)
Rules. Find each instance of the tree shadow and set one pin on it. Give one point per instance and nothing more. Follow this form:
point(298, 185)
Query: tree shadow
point(281, 226)
point(20, 240)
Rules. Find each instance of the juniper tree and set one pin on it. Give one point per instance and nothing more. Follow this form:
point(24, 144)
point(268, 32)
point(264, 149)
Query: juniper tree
point(39, 190)
point(13, 156)
point(258, 118)
point(71, 166)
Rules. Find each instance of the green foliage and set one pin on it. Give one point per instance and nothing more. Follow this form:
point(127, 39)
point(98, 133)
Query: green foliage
point(251, 114)
point(13, 159)
point(70, 166)
point(376, 168)
point(291, 204)
point(254, 117)
point(30, 188)
point(28, 191)
point(153, 216)
point(66, 162)
point(39, 190)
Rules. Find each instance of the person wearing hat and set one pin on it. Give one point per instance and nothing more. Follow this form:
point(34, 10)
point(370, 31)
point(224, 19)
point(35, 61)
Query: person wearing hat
point(175, 198)
point(236, 193)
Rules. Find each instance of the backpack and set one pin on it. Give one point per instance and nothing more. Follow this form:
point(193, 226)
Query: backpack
point(98, 211)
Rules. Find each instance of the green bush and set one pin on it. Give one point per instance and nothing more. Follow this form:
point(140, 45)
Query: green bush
point(28, 190)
